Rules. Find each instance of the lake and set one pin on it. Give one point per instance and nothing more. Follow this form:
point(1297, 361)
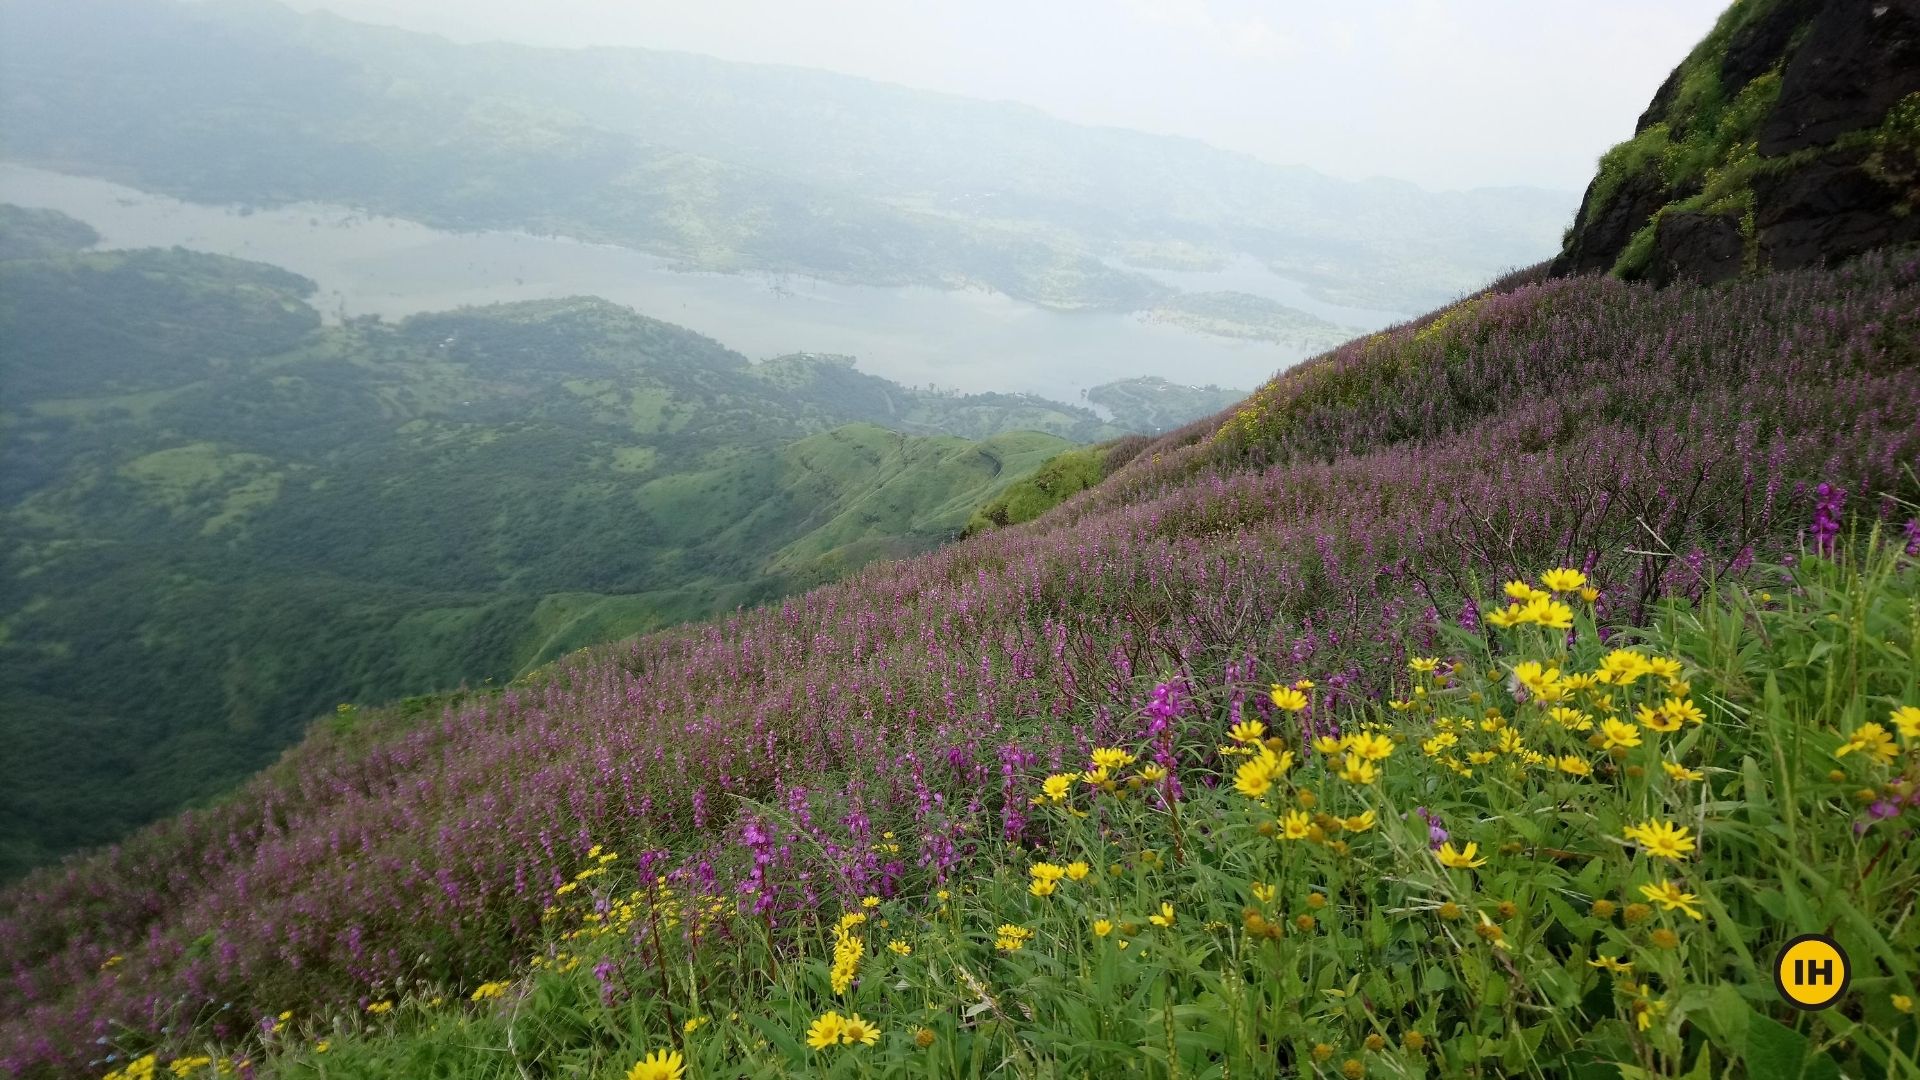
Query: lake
point(969, 340)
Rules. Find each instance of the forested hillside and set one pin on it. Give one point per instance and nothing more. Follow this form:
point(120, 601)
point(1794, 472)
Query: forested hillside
point(252, 517)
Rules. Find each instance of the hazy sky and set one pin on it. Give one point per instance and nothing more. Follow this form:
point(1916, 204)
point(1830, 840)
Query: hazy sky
point(1446, 93)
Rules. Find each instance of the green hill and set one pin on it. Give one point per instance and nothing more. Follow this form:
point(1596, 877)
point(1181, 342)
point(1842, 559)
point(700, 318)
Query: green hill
point(252, 516)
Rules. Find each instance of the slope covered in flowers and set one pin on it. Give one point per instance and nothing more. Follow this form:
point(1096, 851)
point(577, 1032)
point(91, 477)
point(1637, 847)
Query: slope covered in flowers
point(1558, 851)
point(882, 736)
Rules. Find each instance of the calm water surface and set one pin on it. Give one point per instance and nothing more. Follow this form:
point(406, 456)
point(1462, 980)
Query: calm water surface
point(971, 340)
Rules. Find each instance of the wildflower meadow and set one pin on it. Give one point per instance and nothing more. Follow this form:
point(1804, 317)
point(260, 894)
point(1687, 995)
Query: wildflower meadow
point(1492, 696)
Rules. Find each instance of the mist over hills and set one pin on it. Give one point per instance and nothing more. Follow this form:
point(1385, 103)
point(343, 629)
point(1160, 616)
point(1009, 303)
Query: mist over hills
point(719, 165)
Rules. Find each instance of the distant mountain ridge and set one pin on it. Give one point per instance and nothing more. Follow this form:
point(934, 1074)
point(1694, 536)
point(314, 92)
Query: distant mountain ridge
point(719, 165)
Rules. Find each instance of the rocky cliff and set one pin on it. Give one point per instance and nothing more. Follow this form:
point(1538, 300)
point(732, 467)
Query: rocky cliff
point(1789, 137)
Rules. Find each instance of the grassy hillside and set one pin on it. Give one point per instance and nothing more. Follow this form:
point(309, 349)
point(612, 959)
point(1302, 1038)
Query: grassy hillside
point(421, 890)
point(721, 166)
point(1059, 479)
point(252, 518)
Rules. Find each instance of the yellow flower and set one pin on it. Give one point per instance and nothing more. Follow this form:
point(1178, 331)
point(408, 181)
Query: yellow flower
point(1078, 871)
point(1902, 1003)
point(379, 1007)
point(1041, 888)
point(1563, 580)
point(899, 947)
point(1501, 617)
point(1153, 774)
point(1871, 738)
point(1618, 733)
point(1462, 859)
point(1613, 964)
point(869, 902)
point(1359, 822)
point(857, 1030)
point(1681, 709)
point(1296, 826)
point(1622, 666)
point(1102, 927)
point(1677, 771)
point(1662, 839)
point(1058, 786)
point(1423, 664)
point(1046, 871)
point(1264, 892)
point(1286, 697)
point(1907, 719)
point(1573, 765)
point(1358, 770)
point(1571, 719)
point(489, 990)
point(1164, 918)
point(1439, 744)
point(1110, 758)
point(825, 1031)
point(693, 1024)
point(1656, 719)
point(1520, 590)
point(1257, 774)
point(1247, 731)
point(1664, 667)
point(322, 1046)
point(1539, 679)
point(1549, 613)
point(1671, 897)
point(1371, 746)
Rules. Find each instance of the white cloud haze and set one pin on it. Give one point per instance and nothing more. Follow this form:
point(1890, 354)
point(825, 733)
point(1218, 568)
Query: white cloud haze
point(1445, 93)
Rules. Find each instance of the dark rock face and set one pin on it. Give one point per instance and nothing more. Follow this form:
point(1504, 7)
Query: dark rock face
point(1827, 212)
point(1858, 59)
point(1706, 248)
point(1843, 65)
point(1756, 47)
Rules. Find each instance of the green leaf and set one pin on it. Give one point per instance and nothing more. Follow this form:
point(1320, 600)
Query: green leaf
point(1777, 1052)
